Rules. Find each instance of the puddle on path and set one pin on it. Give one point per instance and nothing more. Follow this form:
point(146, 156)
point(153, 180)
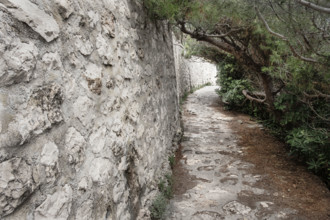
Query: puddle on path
point(229, 168)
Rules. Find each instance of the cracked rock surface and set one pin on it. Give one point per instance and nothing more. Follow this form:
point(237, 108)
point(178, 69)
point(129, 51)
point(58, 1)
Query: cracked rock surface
point(88, 109)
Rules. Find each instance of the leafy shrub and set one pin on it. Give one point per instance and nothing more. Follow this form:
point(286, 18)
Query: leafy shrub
point(165, 186)
point(158, 207)
point(171, 160)
point(232, 83)
point(293, 112)
point(313, 146)
point(232, 93)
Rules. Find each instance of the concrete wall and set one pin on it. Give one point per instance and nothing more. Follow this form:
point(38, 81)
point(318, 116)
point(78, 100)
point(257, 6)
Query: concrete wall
point(88, 109)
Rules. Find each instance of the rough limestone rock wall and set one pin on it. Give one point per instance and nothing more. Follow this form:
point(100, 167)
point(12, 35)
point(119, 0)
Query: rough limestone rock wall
point(88, 109)
point(192, 72)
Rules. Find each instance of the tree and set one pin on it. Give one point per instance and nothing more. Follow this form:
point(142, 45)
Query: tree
point(241, 28)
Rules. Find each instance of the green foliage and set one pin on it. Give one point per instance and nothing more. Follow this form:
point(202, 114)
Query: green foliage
point(158, 207)
point(313, 146)
point(232, 83)
point(232, 92)
point(170, 10)
point(293, 112)
point(171, 160)
point(184, 97)
point(195, 48)
point(201, 14)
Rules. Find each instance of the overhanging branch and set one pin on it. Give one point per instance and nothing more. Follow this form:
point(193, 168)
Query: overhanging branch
point(318, 95)
point(202, 37)
point(295, 53)
point(314, 6)
point(223, 35)
point(251, 98)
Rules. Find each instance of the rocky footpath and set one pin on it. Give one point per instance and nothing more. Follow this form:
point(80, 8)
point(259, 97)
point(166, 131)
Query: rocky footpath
point(88, 109)
point(228, 168)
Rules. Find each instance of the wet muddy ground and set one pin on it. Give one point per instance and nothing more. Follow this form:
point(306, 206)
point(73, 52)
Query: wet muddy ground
point(229, 167)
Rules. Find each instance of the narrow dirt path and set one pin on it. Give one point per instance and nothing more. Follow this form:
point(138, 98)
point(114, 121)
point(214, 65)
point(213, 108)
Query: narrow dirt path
point(228, 168)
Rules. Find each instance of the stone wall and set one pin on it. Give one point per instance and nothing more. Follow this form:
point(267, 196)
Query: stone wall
point(88, 109)
point(191, 72)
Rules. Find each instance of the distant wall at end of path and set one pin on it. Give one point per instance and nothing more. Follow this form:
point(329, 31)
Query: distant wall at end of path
point(192, 72)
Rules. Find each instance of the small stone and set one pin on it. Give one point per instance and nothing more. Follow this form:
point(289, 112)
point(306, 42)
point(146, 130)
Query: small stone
point(81, 108)
point(108, 25)
point(19, 64)
point(93, 71)
point(49, 154)
point(52, 61)
point(93, 76)
point(84, 184)
point(140, 53)
point(42, 110)
point(64, 7)
point(94, 18)
point(29, 13)
point(100, 170)
point(235, 207)
point(16, 184)
point(257, 176)
point(281, 215)
point(84, 46)
point(265, 204)
point(110, 84)
point(56, 206)
point(97, 140)
point(85, 211)
point(104, 50)
point(75, 145)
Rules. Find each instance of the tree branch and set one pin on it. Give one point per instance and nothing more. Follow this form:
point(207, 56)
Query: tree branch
point(224, 35)
point(202, 37)
point(314, 6)
point(318, 95)
point(315, 112)
point(246, 94)
point(295, 53)
point(267, 26)
point(273, 9)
